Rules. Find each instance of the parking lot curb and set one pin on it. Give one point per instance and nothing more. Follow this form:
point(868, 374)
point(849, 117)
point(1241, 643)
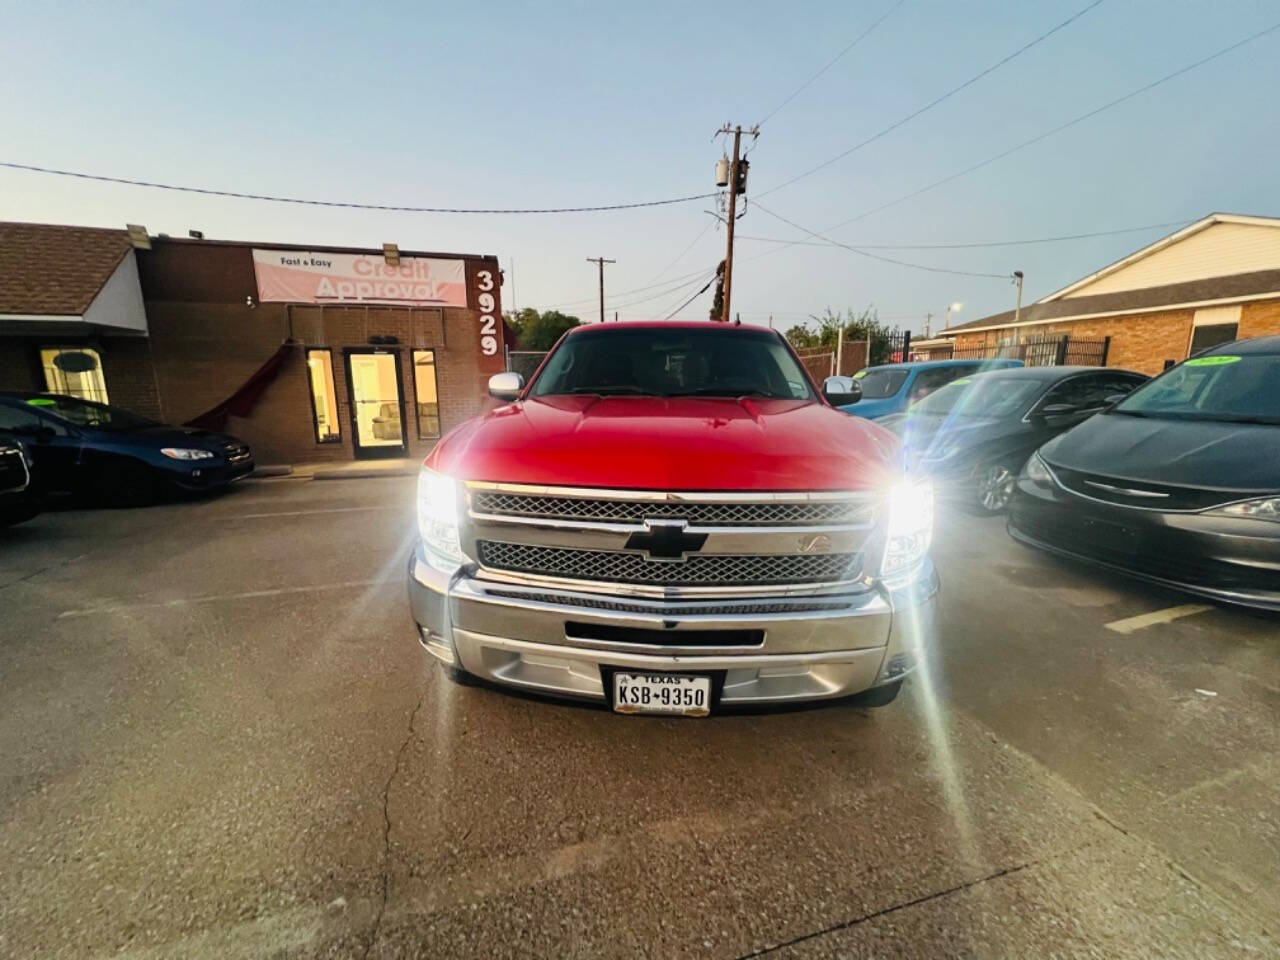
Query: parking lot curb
point(271, 470)
point(349, 474)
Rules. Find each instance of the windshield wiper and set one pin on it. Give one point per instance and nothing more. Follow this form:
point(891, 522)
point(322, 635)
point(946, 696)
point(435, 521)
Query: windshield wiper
point(727, 392)
point(609, 391)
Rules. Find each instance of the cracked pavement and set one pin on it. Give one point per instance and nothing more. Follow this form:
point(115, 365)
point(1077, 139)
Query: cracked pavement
point(278, 771)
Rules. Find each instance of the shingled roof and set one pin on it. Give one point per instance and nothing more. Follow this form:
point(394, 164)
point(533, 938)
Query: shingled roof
point(1132, 301)
point(52, 270)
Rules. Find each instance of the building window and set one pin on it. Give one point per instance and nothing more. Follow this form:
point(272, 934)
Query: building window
point(1212, 326)
point(425, 395)
point(75, 371)
point(324, 398)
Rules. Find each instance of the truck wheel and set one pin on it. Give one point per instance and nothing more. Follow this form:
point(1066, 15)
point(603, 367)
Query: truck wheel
point(127, 483)
point(877, 696)
point(993, 487)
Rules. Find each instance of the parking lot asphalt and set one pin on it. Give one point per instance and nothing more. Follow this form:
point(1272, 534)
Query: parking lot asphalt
point(220, 738)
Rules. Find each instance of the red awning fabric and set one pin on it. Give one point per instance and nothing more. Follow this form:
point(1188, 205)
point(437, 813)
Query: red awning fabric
point(242, 402)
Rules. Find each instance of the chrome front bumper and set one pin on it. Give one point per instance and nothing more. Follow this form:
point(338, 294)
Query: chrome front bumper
point(816, 646)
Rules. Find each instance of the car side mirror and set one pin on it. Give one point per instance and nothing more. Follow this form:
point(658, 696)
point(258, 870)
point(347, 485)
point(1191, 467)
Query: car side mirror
point(506, 386)
point(841, 391)
point(1113, 399)
point(1054, 410)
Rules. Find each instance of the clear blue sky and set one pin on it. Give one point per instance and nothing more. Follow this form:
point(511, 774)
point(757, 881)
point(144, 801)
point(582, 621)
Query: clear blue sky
point(589, 103)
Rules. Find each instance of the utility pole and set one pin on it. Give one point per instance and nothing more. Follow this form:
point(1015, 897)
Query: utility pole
point(734, 184)
point(600, 262)
point(1017, 311)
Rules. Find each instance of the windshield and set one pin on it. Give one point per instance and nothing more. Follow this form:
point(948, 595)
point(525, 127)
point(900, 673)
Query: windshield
point(86, 413)
point(878, 383)
point(1239, 388)
point(681, 362)
point(979, 396)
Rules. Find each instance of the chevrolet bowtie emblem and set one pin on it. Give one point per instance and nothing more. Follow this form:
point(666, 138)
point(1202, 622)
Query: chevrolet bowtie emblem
point(666, 540)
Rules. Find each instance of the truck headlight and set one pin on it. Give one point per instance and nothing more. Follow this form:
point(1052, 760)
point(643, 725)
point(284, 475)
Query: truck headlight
point(1037, 472)
point(910, 528)
point(438, 519)
point(1266, 509)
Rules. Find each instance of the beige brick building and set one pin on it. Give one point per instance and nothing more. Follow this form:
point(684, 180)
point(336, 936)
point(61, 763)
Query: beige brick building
point(1213, 281)
point(307, 353)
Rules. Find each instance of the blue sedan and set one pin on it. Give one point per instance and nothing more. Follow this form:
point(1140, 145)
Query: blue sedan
point(895, 386)
point(83, 447)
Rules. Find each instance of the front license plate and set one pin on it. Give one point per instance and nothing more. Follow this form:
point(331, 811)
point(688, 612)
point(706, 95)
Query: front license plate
point(680, 694)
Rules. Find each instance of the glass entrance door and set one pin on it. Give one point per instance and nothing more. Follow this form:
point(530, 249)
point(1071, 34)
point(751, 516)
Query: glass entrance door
point(377, 403)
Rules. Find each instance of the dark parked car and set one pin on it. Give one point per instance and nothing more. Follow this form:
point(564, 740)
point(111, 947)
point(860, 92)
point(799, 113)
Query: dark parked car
point(90, 448)
point(17, 500)
point(973, 435)
point(1179, 483)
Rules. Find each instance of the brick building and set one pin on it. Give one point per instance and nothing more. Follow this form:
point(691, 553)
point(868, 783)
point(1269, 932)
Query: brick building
point(308, 353)
point(1213, 281)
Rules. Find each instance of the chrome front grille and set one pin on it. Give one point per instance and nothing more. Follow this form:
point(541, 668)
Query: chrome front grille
point(678, 609)
point(698, 569)
point(696, 512)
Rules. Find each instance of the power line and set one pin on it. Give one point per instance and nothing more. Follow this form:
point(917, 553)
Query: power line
point(691, 299)
point(681, 256)
point(970, 246)
point(665, 293)
point(832, 62)
point(348, 205)
point(626, 293)
point(929, 106)
point(876, 256)
point(1058, 129)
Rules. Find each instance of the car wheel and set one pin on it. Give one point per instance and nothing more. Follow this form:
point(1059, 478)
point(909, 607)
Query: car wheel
point(128, 483)
point(877, 696)
point(993, 487)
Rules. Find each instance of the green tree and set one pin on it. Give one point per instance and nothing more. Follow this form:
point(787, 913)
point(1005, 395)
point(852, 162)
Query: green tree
point(539, 331)
point(822, 331)
point(717, 298)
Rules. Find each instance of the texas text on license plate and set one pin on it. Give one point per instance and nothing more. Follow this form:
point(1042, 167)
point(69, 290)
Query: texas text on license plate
point(681, 694)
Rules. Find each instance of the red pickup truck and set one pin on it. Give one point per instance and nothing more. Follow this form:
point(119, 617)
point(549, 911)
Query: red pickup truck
point(671, 518)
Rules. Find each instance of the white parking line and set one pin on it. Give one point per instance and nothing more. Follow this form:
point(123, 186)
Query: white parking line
point(307, 513)
point(1145, 620)
point(212, 598)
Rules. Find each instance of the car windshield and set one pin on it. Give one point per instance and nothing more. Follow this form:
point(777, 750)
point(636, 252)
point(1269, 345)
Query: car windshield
point(680, 362)
point(1233, 388)
point(87, 413)
point(880, 382)
point(979, 396)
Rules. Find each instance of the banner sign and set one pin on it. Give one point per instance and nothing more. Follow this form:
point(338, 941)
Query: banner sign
point(300, 276)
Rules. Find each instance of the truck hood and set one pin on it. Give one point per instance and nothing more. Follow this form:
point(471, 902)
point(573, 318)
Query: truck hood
point(671, 443)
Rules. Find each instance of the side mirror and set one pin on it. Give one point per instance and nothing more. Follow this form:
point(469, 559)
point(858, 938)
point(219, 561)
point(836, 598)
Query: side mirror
point(841, 391)
point(506, 386)
point(1052, 410)
point(1114, 398)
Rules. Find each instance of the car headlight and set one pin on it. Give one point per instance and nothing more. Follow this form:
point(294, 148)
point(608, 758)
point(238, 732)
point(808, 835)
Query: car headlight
point(1266, 509)
point(1038, 472)
point(184, 453)
point(438, 519)
point(910, 529)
